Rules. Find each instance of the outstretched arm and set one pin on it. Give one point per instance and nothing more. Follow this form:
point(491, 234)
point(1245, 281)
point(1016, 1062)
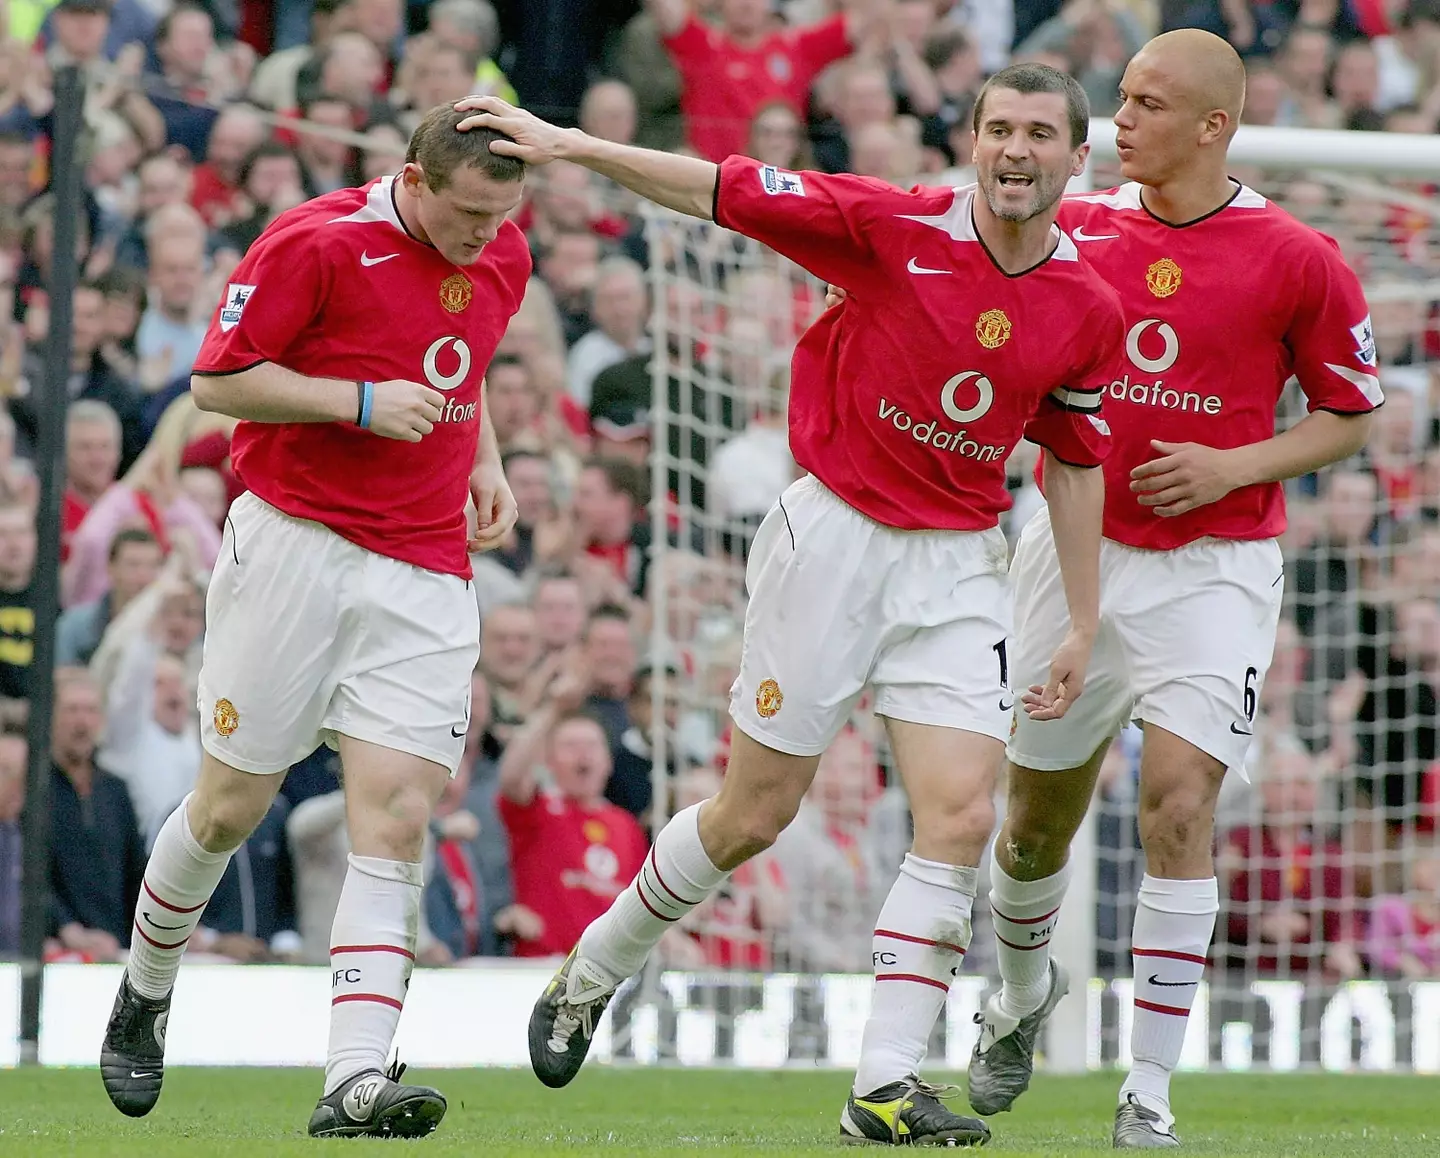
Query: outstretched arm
point(684, 184)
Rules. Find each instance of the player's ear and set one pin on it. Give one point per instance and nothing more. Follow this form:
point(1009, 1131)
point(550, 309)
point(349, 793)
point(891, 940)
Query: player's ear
point(412, 177)
point(1077, 162)
point(1215, 126)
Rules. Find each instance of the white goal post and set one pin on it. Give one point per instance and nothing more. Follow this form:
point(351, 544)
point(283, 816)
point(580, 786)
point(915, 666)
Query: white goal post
point(726, 312)
point(1386, 154)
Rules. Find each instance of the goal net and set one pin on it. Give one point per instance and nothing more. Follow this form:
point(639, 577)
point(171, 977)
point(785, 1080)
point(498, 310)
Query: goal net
point(1327, 948)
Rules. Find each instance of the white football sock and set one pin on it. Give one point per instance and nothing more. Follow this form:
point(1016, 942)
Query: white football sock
point(1025, 913)
point(372, 951)
point(179, 880)
point(920, 941)
point(676, 876)
point(1173, 926)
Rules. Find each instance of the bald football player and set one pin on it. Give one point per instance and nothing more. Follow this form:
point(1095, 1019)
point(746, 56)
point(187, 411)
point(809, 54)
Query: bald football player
point(1225, 297)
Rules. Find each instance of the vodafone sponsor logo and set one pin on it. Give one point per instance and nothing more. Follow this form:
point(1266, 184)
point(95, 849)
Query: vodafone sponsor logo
point(447, 365)
point(1153, 347)
point(965, 398)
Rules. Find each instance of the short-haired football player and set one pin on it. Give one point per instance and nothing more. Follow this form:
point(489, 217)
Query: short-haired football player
point(351, 343)
point(1226, 296)
point(971, 323)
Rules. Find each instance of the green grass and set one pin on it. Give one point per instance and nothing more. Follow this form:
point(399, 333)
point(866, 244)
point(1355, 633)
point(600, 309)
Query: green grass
point(623, 1112)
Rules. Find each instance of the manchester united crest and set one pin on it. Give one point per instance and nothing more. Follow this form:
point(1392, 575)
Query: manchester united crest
point(1163, 278)
point(456, 292)
point(768, 698)
point(992, 329)
point(227, 719)
point(595, 831)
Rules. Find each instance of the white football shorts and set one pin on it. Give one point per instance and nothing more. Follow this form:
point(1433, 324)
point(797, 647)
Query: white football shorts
point(308, 636)
point(839, 602)
point(1184, 643)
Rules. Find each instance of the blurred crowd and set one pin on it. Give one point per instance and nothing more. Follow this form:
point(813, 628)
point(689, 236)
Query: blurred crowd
point(204, 121)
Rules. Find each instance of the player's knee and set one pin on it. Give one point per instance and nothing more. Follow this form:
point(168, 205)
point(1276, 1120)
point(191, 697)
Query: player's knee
point(739, 830)
point(1176, 823)
point(396, 831)
point(1030, 856)
point(955, 830)
point(761, 825)
point(222, 821)
point(1035, 839)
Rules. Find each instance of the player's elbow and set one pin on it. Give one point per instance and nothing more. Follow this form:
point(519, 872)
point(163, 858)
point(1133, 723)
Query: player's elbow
point(704, 204)
point(1355, 430)
point(204, 392)
point(1073, 478)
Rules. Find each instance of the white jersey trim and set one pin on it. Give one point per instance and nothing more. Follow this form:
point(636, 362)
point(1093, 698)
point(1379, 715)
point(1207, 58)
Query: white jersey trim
point(379, 207)
point(1127, 196)
point(1367, 384)
point(958, 223)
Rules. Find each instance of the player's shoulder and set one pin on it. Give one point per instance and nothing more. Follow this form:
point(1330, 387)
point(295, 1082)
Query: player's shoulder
point(942, 207)
point(511, 244)
point(1297, 236)
point(1256, 211)
point(938, 195)
point(304, 227)
point(1088, 304)
point(1255, 225)
point(509, 256)
point(1069, 271)
point(1111, 205)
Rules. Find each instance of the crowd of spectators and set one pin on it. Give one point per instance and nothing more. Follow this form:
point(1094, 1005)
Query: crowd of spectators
point(205, 120)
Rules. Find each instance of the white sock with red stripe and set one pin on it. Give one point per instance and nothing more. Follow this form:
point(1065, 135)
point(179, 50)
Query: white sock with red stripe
point(178, 883)
point(1024, 913)
point(920, 941)
point(676, 876)
point(372, 950)
point(1173, 926)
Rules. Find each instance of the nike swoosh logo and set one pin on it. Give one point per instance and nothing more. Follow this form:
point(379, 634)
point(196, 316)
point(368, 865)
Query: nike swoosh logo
point(1004, 707)
point(140, 1075)
point(915, 267)
point(1240, 731)
point(1171, 984)
point(1081, 235)
point(457, 734)
point(154, 924)
point(367, 260)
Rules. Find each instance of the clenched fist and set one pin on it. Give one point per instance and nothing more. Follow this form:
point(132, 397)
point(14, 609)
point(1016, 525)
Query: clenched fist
point(404, 410)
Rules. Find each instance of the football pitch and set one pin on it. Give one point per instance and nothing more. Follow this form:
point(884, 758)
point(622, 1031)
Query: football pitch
point(611, 1111)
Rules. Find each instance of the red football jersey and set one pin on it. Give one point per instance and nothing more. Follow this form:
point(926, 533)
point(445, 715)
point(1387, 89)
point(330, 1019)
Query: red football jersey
point(337, 288)
point(907, 401)
point(570, 863)
point(1219, 313)
point(723, 85)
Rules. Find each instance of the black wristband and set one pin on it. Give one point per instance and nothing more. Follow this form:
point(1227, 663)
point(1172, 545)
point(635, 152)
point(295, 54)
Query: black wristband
point(359, 402)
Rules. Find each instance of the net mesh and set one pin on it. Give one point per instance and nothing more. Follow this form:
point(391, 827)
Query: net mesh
point(1329, 879)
